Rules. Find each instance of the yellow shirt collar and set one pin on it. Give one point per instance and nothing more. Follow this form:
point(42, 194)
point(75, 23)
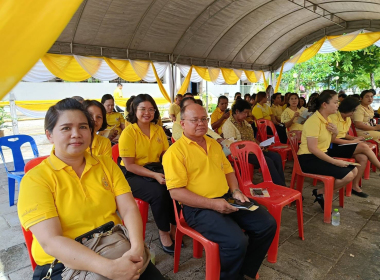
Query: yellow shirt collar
point(58, 164)
point(153, 128)
point(322, 118)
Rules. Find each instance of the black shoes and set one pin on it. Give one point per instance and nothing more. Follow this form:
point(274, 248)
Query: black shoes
point(360, 194)
point(319, 198)
point(167, 249)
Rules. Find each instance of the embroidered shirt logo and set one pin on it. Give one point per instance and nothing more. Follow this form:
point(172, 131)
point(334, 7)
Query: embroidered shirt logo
point(105, 183)
point(159, 140)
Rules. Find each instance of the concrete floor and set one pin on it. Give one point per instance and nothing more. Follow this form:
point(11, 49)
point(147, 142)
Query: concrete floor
point(349, 251)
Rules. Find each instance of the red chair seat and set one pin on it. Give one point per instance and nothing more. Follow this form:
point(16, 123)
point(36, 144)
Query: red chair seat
point(279, 196)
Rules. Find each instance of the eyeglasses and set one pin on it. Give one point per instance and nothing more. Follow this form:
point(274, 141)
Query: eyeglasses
point(150, 110)
point(196, 121)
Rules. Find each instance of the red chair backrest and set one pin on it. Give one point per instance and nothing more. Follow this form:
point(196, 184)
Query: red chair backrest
point(351, 132)
point(354, 129)
point(115, 152)
point(173, 141)
point(240, 151)
point(262, 125)
point(294, 138)
point(28, 234)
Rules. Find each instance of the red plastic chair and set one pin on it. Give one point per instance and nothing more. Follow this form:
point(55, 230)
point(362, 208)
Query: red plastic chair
point(199, 242)
point(141, 204)
point(375, 148)
point(298, 175)
point(173, 141)
point(278, 147)
point(279, 195)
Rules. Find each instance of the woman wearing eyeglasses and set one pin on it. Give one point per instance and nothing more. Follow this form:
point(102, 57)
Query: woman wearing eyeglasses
point(238, 128)
point(142, 143)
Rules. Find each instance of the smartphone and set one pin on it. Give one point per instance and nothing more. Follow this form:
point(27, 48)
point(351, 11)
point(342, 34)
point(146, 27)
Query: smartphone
point(227, 110)
point(89, 235)
point(238, 204)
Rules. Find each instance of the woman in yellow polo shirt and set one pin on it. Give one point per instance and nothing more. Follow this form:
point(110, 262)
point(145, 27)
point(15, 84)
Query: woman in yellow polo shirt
point(115, 120)
point(290, 115)
point(317, 134)
point(276, 108)
point(363, 117)
point(352, 146)
point(142, 143)
point(71, 193)
point(101, 146)
point(263, 111)
point(220, 115)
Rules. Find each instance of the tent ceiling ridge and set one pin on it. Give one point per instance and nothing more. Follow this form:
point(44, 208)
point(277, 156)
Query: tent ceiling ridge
point(79, 18)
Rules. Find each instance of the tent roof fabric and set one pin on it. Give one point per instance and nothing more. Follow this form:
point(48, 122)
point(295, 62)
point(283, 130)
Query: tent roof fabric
point(246, 34)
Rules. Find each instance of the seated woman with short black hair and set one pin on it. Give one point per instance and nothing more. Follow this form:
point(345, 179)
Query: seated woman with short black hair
point(101, 146)
point(346, 146)
point(238, 128)
point(141, 145)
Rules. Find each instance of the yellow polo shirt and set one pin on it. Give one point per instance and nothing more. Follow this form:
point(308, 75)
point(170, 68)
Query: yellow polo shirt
point(277, 111)
point(134, 143)
point(174, 109)
point(117, 93)
point(262, 112)
point(101, 146)
point(52, 189)
point(115, 119)
point(287, 115)
point(342, 125)
point(186, 164)
point(315, 127)
point(215, 116)
point(159, 122)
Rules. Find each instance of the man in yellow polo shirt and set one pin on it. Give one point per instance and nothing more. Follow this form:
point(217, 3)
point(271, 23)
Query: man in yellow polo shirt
point(220, 115)
point(199, 176)
point(117, 93)
point(174, 108)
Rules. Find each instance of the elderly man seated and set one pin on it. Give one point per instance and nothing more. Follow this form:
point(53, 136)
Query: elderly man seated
point(199, 176)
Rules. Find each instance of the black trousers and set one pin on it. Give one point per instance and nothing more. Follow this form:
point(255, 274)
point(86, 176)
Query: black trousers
point(150, 273)
point(274, 163)
point(241, 253)
point(159, 199)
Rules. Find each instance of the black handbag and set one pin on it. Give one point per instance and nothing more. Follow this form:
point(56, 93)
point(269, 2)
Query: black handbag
point(155, 167)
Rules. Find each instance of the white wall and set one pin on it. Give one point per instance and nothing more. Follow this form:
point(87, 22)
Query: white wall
point(55, 91)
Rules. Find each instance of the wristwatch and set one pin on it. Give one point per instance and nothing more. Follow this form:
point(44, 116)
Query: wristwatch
point(236, 190)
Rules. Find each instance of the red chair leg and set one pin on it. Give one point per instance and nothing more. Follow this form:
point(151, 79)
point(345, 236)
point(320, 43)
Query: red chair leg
point(177, 249)
point(293, 181)
point(212, 262)
point(329, 190)
point(300, 180)
point(144, 209)
point(197, 249)
point(341, 195)
point(273, 249)
point(315, 182)
point(349, 188)
point(300, 217)
point(367, 170)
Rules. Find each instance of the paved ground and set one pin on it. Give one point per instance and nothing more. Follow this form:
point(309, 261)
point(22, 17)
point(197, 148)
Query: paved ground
point(350, 251)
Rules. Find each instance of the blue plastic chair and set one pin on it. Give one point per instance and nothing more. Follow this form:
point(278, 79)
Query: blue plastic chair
point(14, 142)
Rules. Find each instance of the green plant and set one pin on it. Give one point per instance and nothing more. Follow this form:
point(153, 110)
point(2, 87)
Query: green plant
point(3, 116)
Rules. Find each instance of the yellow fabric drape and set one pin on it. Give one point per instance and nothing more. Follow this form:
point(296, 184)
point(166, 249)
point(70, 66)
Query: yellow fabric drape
point(265, 81)
point(160, 85)
point(279, 77)
point(362, 41)
point(186, 82)
point(27, 30)
point(65, 67)
point(311, 51)
point(124, 69)
point(251, 76)
point(36, 105)
point(203, 72)
point(339, 42)
point(140, 67)
point(213, 73)
point(229, 76)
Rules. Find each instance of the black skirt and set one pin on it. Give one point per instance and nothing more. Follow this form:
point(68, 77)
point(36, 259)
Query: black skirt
point(312, 164)
point(342, 151)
